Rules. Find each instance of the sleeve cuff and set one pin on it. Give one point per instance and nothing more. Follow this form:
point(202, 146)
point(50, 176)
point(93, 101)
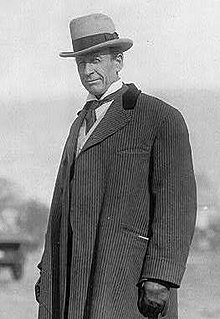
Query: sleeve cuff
point(162, 269)
point(166, 284)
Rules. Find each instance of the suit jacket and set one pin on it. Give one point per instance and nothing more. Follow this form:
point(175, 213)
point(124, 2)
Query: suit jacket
point(131, 206)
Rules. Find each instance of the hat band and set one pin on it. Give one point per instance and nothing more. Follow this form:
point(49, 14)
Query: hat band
point(92, 40)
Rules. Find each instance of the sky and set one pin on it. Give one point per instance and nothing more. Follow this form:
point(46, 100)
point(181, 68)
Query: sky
point(176, 48)
point(177, 40)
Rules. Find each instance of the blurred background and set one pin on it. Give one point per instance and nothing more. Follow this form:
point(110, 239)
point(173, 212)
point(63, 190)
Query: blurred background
point(176, 57)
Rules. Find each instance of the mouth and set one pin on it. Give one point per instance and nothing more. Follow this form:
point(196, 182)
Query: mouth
point(92, 81)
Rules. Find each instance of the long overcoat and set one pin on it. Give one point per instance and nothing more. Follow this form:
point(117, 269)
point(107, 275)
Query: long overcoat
point(129, 199)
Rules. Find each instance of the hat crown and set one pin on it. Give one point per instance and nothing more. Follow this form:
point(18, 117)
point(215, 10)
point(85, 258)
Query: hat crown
point(94, 32)
point(91, 24)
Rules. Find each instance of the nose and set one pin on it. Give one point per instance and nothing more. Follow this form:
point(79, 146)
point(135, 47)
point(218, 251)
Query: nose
point(88, 69)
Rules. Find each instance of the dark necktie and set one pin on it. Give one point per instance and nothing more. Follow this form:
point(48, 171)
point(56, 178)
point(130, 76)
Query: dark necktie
point(90, 117)
point(91, 106)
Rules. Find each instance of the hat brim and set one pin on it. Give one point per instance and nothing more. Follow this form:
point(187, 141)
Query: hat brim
point(123, 44)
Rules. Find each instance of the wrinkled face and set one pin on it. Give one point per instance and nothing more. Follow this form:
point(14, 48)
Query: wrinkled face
point(98, 70)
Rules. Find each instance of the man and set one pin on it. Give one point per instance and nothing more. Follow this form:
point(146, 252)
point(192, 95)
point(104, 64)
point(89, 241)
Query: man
point(123, 211)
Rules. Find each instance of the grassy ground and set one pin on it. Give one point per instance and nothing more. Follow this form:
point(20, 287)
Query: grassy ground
point(199, 296)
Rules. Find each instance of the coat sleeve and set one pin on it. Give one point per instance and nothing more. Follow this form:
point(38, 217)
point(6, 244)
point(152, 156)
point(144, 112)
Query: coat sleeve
point(172, 202)
point(56, 206)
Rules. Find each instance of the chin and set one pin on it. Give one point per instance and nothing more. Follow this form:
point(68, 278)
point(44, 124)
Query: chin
point(95, 90)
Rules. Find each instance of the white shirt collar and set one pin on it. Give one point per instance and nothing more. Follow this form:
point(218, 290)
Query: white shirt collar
point(113, 88)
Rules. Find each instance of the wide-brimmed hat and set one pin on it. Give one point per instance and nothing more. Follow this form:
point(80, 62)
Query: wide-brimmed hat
point(92, 33)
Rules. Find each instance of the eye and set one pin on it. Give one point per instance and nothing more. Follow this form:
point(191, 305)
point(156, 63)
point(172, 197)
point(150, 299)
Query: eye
point(96, 59)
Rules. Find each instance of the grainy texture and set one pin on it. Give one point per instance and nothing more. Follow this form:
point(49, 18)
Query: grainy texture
point(133, 177)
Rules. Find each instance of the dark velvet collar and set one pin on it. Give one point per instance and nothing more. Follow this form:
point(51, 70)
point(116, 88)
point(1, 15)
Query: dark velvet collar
point(130, 97)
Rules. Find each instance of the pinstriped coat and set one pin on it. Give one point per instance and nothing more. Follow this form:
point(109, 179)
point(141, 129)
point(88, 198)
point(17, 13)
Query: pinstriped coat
point(132, 180)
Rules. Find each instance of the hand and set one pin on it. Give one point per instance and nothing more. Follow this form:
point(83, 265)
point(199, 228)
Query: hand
point(37, 290)
point(153, 299)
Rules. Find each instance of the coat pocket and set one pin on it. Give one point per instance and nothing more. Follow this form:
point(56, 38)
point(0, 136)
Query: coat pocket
point(134, 151)
point(136, 241)
point(135, 233)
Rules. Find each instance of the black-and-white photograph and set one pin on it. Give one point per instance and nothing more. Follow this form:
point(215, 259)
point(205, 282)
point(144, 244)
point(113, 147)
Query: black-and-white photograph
point(110, 152)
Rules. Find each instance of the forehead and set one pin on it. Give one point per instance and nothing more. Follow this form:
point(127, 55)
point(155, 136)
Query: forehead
point(92, 55)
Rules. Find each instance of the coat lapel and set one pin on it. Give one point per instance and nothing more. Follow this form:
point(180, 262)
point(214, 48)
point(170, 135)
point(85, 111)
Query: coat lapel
point(73, 136)
point(115, 118)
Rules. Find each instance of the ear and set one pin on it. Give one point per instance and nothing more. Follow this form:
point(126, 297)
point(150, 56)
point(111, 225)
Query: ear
point(119, 62)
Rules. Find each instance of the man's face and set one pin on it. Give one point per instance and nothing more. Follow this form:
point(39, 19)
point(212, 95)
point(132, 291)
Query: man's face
point(98, 71)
